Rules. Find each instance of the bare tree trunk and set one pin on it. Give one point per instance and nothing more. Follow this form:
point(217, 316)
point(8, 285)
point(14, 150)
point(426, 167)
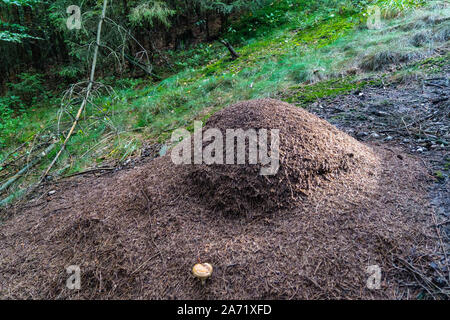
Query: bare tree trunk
point(88, 91)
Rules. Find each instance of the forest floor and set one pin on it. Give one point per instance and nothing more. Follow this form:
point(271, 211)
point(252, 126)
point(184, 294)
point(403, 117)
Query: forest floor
point(401, 106)
point(323, 54)
point(407, 120)
point(413, 115)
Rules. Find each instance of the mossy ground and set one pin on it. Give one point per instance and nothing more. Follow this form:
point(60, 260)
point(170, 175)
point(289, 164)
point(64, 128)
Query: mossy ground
point(303, 95)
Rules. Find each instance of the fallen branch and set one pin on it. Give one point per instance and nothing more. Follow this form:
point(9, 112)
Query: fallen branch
point(141, 66)
point(230, 48)
point(422, 280)
point(89, 171)
point(3, 163)
point(10, 198)
point(26, 168)
point(444, 251)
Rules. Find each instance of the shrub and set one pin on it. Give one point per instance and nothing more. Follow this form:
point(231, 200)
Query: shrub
point(28, 89)
point(70, 72)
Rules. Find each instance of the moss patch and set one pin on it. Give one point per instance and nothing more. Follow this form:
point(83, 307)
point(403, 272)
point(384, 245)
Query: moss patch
point(303, 95)
point(327, 32)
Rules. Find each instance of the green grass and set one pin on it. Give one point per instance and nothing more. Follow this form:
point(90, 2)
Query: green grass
point(299, 60)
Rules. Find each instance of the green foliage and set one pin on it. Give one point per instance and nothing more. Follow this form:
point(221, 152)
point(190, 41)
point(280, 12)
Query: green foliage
point(391, 8)
point(15, 37)
point(439, 175)
point(297, 14)
point(5, 111)
point(28, 89)
point(13, 106)
point(8, 123)
point(228, 7)
point(326, 33)
point(70, 72)
point(20, 3)
point(151, 12)
point(13, 32)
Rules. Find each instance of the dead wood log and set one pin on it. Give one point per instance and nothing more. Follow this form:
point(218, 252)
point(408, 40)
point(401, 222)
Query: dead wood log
point(230, 48)
point(26, 168)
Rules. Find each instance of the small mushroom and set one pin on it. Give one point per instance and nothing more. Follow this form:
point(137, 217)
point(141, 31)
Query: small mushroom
point(202, 271)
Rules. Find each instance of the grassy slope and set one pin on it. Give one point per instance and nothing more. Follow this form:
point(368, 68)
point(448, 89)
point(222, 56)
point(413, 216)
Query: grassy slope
point(307, 56)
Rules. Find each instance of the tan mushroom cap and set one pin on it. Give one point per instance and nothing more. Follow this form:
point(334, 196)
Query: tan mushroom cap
point(202, 270)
